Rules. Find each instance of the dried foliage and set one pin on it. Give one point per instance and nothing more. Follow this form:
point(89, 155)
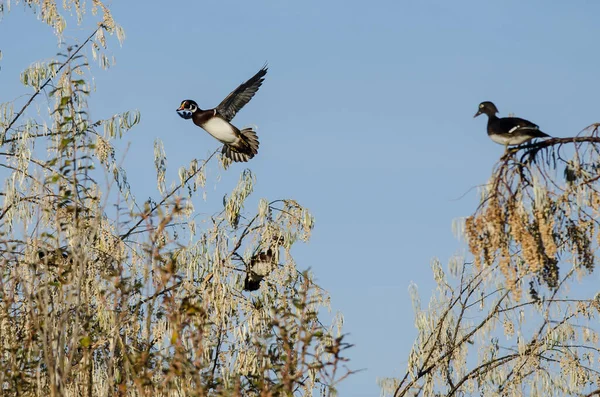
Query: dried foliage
point(540, 207)
point(140, 301)
point(509, 324)
point(474, 338)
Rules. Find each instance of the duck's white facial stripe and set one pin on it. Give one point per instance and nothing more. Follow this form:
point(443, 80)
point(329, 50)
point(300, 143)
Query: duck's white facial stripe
point(193, 108)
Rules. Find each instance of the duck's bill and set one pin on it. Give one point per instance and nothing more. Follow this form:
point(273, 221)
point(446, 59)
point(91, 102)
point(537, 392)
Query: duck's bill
point(477, 114)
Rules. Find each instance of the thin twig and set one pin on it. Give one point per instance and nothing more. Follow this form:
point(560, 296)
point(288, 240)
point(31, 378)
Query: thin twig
point(168, 196)
point(36, 93)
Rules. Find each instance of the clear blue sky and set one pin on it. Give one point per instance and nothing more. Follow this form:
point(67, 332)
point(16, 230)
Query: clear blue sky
point(365, 118)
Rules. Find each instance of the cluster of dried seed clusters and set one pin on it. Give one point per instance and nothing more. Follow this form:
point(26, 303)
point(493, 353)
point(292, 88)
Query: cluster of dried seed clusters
point(531, 217)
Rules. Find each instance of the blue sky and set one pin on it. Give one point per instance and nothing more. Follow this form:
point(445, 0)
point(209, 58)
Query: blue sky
point(365, 118)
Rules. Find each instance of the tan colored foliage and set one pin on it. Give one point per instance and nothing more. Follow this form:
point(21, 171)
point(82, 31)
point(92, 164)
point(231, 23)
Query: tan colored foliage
point(540, 207)
point(144, 299)
point(475, 338)
point(536, 231)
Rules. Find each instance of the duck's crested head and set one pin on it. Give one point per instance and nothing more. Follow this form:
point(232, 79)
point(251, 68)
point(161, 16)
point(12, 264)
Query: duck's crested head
point(488, 108)
point(187, 109)
point(188, 105)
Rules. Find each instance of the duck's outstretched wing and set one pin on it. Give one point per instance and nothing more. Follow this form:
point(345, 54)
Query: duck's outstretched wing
point(241, 95)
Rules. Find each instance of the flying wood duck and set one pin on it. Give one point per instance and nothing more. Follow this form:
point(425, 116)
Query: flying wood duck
point(237, 145)
point(508, 130)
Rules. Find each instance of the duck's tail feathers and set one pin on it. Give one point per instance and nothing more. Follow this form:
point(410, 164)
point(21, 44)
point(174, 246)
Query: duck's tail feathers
point(244, 149)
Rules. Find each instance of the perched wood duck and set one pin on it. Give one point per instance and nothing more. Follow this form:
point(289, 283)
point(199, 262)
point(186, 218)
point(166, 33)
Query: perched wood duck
point(238, 145)
point(508, 130)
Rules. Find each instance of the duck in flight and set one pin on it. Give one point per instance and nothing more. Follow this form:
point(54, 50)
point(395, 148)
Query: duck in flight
point(508, 131)
point(238, 145)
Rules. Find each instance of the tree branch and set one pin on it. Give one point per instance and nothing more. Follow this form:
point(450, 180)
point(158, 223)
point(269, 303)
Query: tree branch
point(36, 93)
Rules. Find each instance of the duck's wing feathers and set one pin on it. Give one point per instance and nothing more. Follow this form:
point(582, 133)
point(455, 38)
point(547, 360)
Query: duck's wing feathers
point(241, 95)
point(517, 126)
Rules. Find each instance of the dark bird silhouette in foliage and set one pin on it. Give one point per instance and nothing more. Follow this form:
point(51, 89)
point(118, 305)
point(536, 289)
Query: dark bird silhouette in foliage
point(508, 131)
point(238, 145)
point(260, 266)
